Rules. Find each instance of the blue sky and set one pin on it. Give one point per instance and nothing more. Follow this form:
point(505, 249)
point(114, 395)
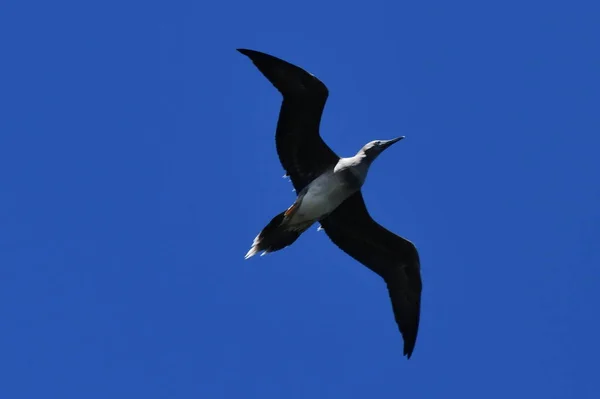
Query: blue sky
point(138, 163)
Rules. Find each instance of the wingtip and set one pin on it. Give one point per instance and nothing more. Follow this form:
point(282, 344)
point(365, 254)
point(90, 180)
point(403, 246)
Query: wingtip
point(248, 53)
point(409, 347)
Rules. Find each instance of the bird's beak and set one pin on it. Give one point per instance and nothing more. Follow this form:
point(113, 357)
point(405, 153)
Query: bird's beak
point(388, 143)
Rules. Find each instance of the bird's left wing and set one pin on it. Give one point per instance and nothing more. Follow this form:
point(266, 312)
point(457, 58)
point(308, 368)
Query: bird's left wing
point(395, 259)
point(302, 152)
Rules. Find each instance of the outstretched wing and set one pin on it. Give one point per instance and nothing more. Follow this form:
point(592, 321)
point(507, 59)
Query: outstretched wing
point(395, 259)
point(302, 152)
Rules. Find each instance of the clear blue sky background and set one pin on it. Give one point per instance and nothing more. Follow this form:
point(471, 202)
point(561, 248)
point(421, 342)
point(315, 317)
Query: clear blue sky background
point(137, 163)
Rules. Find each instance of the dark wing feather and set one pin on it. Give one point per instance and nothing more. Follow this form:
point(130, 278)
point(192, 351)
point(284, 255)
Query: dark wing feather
point(395, 259)
point(302, 152)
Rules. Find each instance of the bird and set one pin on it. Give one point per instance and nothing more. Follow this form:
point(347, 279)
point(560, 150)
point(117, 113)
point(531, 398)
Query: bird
point(328, 189)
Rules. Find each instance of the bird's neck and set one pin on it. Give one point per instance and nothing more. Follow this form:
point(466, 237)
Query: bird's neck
point(357, 165)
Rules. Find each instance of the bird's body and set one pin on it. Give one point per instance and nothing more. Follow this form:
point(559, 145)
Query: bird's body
point(317, 200)
point(329, 192)
point(324, 194)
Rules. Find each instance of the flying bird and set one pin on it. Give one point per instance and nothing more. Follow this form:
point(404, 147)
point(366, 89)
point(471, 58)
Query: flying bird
point(328, 191)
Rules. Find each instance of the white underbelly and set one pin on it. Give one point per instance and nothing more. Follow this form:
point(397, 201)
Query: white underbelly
point(324, 195)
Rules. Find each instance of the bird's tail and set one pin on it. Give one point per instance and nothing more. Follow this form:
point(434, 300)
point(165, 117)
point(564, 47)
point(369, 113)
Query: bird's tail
point(276, 235)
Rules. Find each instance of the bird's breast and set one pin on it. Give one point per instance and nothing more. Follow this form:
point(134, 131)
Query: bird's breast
point(322, 196)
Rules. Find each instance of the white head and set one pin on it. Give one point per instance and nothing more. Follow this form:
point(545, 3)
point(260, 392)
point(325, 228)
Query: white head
point(372, 150)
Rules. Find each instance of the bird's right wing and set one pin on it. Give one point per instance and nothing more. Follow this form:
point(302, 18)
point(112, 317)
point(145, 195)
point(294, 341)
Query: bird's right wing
point(302, 152)
point(395, 259)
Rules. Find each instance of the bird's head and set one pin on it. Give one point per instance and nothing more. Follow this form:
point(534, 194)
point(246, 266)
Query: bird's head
point(374, 148)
